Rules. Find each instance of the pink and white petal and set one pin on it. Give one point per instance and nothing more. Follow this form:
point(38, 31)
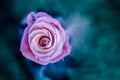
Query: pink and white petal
point(37, 50)
point(54, 54)
point(51, 21)
point(35, 44)
point(30, 18)
point(54, 24)
point(41, 25)
point(36, 32)
point(48, 27)
point(26, 52)
point(24, 47)
point(66, 51)
point(32, 57)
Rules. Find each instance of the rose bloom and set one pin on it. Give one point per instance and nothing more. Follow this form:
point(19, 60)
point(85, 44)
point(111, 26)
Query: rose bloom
point(44, 41)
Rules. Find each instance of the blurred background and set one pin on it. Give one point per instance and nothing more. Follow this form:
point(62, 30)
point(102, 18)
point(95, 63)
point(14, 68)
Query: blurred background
point(95, 40)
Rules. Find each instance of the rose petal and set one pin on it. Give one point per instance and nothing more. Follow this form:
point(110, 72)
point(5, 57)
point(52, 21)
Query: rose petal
point(51, 29)
point(55, 53)
point(55, 23)
point(37, 32)
point(24, 48)
point(30, 18)
point(66, 51)
point(51, 21)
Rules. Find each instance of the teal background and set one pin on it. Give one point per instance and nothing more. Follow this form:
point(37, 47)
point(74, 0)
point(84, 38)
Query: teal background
point(97, 47)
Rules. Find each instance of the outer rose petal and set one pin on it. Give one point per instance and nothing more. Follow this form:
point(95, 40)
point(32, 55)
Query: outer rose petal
point(30, 18)
point(66, 51)
point(25, 49)
point(50, 20)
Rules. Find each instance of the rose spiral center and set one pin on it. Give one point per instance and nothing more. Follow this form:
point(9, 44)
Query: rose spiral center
point(44, 41)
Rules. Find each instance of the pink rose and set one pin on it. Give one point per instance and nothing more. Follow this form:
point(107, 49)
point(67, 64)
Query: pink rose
point(44, 40)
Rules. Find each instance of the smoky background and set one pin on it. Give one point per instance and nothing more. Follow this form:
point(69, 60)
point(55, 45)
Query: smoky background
point(94, 28)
